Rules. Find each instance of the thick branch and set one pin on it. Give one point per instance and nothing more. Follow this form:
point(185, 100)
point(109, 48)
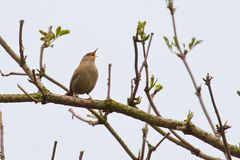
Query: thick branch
point(114, 106)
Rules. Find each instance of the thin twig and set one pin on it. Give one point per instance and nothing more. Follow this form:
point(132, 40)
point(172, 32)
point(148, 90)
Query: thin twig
point(21, 47)
point(183, 58)
point(145, 64)
point(150, 97)
point(2, 155)
point(221, 129)
point(175, 33)
point(74, 114)
point(146, 52)
point(199, 95)
point(135, 40)
point(137, 75)
point(36, 82)
point(147, 81)
point(12, 73)
point(114, 133)
point(81, 155)
point(188, 146)
point(37, 74)
point(32, 98)
point(138, 72)
point(54, 81)
point(145, 131)
point(109, 80)
point(54, 150)
point(153, 148)
point(43, 46)
point(132, 86)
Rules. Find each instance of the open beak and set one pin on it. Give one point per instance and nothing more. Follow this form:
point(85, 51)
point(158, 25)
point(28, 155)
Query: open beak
point(94, 53)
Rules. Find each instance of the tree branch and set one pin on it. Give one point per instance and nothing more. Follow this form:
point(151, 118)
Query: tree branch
point(2, 155)
point(25, 67)
point(54, 81)
point(114, 106)
point(184, 144)
point(153, 148)
point(103, 120)
point(131, 100)
point(54, 150)
point(21, 48)
point(221, 129)
point(74, 114)
point(81, 155)
point(43, 46)
point(109, 80)
point(182, 55)
point(37, 74)
point(34, 100)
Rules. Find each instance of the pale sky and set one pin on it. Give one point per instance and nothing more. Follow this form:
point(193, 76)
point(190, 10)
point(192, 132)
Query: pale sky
point(30, 130)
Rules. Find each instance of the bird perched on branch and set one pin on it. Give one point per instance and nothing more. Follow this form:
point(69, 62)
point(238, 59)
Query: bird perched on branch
point(85, 76)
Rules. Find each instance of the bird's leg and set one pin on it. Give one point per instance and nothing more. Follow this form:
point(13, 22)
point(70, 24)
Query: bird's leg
point(89, 98)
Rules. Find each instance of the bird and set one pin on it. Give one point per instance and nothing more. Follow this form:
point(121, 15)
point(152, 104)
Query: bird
point(85, 76)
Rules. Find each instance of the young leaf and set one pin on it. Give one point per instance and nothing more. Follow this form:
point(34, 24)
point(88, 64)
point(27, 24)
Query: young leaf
point(58, 30)
point(42, 38)
point(238, 92)
point(184, 46)
point(48, 41)
point(149, 146)
point(194, 43)
point(52, 36)
point(190, 115)
point(189, 118)
point(140, 30)
point(166, 41)
point(151, 81)
point(63, 32)
point(43, 33)
point(198, 42)
point(138, 100)
point(191, 44)
point(158, 87)
point(175, 41)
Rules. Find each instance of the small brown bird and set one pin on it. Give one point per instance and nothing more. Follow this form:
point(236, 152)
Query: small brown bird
point(85, 76)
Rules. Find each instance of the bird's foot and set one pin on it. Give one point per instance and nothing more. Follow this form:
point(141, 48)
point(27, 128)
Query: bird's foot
point(89, 98)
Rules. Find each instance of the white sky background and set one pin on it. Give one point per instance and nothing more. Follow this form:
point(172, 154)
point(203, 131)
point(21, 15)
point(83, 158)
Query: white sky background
point(30, 130)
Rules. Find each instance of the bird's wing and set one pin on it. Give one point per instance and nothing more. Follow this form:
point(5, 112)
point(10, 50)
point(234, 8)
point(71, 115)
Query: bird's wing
point(75, 74)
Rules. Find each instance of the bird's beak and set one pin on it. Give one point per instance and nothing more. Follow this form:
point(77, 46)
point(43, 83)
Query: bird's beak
point(94, 52)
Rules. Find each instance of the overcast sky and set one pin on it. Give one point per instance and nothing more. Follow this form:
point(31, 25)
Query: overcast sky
point(30, 130)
